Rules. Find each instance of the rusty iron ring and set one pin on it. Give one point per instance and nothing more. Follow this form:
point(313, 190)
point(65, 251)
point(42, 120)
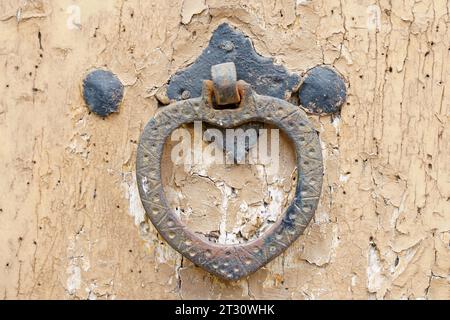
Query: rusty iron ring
point(231, 262)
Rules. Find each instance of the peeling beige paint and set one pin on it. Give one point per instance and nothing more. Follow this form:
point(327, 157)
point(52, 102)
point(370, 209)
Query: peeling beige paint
point(131, 193)
point(71, 223)
point(190, 8)
point(229, 204)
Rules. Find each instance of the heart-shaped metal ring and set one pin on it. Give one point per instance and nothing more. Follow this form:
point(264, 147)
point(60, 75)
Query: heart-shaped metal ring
point(231, 262)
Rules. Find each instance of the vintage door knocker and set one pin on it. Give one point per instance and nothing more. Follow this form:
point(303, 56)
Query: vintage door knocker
point(230, 261)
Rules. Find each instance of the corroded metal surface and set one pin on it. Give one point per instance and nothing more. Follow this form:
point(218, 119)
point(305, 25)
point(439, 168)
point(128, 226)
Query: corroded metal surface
point(102, 92)
point(231, 261)
point(228, 44)
point(224, 80)
point(226, 94)
point(322, 91)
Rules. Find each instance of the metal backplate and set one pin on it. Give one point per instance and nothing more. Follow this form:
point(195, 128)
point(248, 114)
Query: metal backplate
point(231, 262)
point(228, 44)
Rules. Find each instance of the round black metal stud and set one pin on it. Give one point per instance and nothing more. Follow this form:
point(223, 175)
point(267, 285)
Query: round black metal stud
point(102, 92)
point(322, 91)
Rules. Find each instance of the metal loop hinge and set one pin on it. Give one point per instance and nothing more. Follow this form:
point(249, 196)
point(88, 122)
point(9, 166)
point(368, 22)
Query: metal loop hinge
point(224, 78)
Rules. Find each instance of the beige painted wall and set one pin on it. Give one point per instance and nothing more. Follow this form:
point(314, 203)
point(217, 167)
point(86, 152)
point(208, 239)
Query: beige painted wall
point(71, 222)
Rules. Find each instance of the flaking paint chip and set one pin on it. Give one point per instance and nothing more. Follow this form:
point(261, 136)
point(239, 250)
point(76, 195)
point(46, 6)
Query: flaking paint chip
point(190, 8)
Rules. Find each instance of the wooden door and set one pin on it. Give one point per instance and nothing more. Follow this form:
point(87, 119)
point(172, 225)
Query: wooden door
point(71, 222)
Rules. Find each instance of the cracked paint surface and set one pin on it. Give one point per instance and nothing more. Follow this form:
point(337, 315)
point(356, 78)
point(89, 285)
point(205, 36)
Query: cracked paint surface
point(230, 204)
point(70, 225)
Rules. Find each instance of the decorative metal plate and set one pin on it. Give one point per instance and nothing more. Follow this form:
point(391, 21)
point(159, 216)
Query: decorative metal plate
point(228, 44)
point(231, 261)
